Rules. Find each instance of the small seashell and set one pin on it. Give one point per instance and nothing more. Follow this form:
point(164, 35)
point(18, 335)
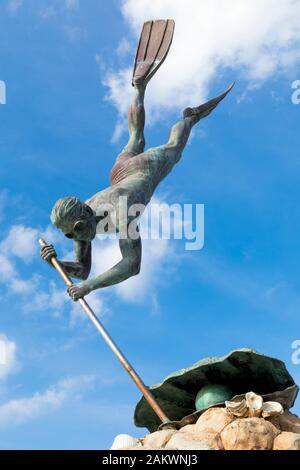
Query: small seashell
point(124, 440)
point(237, 408)
point(255, 404)
point(271, 409)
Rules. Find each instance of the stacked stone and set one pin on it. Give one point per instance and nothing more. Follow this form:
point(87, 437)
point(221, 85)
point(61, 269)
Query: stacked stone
point(217, 429)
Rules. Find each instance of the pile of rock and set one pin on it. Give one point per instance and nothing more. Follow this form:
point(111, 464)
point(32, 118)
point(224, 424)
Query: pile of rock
point(219, 429)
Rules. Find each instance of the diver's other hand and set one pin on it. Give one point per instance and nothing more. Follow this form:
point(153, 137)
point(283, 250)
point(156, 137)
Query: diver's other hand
point(47, 253)
point(77, 291)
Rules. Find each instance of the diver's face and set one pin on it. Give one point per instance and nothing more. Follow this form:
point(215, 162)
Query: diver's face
point(83, 229)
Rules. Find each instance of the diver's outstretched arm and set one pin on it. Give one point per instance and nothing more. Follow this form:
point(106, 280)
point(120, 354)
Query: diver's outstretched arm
point(129, 266)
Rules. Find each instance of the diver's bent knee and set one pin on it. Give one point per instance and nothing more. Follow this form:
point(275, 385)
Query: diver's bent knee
point(173, 151)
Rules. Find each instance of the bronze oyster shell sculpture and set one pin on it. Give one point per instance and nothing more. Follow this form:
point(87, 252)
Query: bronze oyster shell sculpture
point(241, 371)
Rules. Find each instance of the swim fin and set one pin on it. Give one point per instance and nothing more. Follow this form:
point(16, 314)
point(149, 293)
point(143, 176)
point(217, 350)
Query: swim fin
point(155, 42)
point(205, 109)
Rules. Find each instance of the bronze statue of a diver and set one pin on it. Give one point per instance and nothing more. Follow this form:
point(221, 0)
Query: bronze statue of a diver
point(135, 176)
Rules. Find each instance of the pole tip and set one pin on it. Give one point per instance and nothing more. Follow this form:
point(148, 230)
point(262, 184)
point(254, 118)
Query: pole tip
point(42, 242)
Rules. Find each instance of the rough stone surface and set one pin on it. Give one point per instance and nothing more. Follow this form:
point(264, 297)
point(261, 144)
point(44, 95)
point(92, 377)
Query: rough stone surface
point(188, 429)
point(217, 430)
point(211, 439)
point(142, 448)
point(249, 434)
point(213, 420)
point(184, 442)
point(287, 441)
point(289, 422)
point(158, 438)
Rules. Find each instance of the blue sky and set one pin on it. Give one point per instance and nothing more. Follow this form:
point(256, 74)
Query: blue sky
point(66, 65)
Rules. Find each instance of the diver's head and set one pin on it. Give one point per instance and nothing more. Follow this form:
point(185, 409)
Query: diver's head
point(75, 218)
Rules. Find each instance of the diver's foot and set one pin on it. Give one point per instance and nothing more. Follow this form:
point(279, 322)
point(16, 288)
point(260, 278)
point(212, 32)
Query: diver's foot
point(189, 112)
point(205, 109)
point(140, 84)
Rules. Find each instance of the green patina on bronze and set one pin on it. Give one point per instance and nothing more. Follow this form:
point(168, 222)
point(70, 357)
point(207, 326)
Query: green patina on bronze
point(135, 175)
point(242, 370)
point(211, 394)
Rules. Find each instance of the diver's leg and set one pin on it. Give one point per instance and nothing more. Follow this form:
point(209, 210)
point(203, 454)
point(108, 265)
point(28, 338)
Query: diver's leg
point(136, 142)
point(180, 132)
point(171, 152)
point(136, 123)
point(163, 157)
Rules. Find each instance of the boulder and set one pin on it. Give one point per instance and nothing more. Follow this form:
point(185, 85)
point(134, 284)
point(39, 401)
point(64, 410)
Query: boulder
point(188, 429)
point(140, 447)
point(182, 441)
point(287, 441)
point(158, 438)
point(210, 439)
point(249, 434)
point(213, 420)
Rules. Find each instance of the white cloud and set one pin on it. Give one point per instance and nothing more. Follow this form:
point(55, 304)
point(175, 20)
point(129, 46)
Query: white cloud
point(57, 7)
point(52, 236)
point(10, 277)
point(156, 254)
point(158, 260)
point(52, 299)
point(72, 4)
point(7, 269)
point(74, 33)
point(115, 82)
point(8, 359)
point(21, 242)
point(24, 286)
point(14, 5)
point(124, 47)
point(253, 40)
point(19, 411)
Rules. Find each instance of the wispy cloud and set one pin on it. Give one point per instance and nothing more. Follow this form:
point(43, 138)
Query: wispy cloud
point(74, 33)
point(253, 40)
point(19, 246)
point(72, 4)
point(8, 356)
point(22, 410)
point(20, 242)
point(55, 7)
point(50, 299)
point(14, 5)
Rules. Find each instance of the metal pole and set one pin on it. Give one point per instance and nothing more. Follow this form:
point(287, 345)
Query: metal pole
point(138, 381)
